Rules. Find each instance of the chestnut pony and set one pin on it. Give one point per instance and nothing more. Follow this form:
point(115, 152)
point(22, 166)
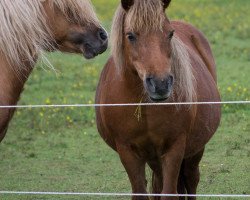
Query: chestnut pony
point(157, 60)
point(30, 26)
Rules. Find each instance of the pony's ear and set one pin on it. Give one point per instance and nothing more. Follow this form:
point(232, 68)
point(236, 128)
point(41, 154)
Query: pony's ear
point(126, 4)
point(166, 3)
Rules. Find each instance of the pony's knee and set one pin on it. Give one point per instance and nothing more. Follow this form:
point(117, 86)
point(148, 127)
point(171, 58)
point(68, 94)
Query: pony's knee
point(192, 174)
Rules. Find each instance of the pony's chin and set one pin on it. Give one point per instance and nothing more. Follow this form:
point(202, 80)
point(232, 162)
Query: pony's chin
point(89, 56)
point(93, 53)
point(158, 100)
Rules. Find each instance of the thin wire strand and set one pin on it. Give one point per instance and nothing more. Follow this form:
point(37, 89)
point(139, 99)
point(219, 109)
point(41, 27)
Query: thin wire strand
point(125, 104)
point(123, 194)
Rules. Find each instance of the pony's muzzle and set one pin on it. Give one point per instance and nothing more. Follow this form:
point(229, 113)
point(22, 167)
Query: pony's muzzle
point(90, 44)
point(94, 46)
point(159, 89)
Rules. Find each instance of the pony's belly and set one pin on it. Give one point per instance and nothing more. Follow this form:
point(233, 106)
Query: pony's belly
point(205, 126)
point(157, 135)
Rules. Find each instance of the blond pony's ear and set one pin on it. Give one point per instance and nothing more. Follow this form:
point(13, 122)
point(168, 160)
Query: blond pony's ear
point(126, 4)
point(166, 3)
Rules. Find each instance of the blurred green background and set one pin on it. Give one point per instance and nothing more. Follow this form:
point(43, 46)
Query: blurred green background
point(61, 150)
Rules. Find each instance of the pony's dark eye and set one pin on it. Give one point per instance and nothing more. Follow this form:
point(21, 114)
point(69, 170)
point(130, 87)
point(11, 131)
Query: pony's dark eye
point(131, 37)
point(171, 34)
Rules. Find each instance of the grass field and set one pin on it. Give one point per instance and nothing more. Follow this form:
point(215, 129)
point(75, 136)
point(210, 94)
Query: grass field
point(61, 150)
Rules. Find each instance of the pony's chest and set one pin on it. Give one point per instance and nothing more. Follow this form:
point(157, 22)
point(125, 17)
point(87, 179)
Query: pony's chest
point(143, 124)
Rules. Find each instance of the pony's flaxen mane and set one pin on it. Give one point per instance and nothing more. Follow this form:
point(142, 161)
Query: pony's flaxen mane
point(185, 82)
point(148, 15)
point(76, 10)
point(24, 32)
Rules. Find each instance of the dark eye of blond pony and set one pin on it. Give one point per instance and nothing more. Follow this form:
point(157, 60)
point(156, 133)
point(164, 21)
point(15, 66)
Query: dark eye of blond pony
point(131, 36)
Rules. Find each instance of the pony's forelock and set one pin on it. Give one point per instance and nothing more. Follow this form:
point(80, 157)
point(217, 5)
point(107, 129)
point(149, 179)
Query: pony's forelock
point(145, 15)
point(24, 32)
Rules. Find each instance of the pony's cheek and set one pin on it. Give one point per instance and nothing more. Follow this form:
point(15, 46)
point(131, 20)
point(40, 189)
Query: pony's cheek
point(140, 70)
point(67, 46)
point(133, 59)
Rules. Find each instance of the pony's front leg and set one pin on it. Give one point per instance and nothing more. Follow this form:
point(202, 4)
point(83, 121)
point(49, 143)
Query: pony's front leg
point(171, 165)
point(192, 174)
point(157, 184)
point(135, 168)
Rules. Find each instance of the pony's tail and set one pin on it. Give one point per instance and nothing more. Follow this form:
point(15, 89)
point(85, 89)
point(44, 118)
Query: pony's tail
point(156, 186)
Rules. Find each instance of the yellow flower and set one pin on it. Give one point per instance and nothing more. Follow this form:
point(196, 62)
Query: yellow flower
point(229, 89)
point(47, 101)
point(197, 13)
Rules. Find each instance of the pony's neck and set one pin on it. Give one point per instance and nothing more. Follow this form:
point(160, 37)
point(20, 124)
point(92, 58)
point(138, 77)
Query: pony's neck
point(11, 81)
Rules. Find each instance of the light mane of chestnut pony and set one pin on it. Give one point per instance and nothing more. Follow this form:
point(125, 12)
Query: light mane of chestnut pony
point(24, 32)
point(148, 15)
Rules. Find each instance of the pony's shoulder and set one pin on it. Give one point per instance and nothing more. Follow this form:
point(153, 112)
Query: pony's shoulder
point(109, 64)
point(110, 61)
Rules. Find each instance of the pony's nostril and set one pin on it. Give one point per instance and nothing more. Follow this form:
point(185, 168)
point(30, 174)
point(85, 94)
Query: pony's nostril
point(151, 84)
point(170, 80)
point(149, 81)
point(103, 35)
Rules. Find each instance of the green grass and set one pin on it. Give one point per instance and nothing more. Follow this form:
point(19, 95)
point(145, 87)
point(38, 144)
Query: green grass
point(61, 150)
